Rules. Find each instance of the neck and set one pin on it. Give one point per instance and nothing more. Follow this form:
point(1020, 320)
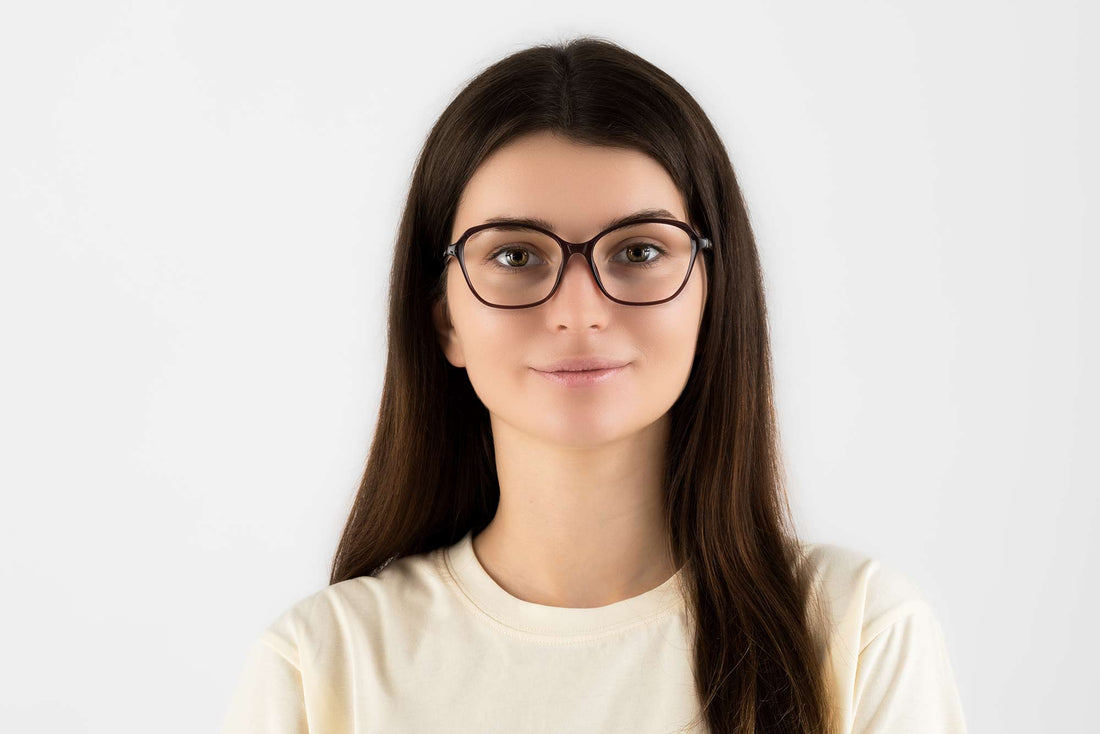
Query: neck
point(578, 526)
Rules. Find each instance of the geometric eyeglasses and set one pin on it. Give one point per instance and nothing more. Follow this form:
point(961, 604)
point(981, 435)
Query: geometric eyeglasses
point(640, 263)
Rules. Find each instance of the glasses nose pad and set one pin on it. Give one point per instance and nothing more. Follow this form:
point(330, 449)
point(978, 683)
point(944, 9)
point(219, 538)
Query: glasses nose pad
point(583, 266)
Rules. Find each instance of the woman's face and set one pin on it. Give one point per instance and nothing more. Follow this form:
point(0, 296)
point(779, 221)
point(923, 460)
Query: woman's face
point(577, 188)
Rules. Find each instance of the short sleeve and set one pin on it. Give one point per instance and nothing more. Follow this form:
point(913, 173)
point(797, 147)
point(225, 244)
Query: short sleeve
point(904, 680)
point(269, 697)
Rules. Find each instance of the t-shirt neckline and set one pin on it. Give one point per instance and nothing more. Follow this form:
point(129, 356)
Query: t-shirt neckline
point(465, 569)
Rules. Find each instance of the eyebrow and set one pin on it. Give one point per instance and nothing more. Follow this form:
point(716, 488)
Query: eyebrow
point(537, 222)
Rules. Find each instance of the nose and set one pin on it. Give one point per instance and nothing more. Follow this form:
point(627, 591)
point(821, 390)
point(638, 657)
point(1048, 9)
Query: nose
point(578, 304)
point(578, 280)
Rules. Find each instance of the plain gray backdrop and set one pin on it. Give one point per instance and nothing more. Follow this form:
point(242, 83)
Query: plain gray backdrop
point(198, 204)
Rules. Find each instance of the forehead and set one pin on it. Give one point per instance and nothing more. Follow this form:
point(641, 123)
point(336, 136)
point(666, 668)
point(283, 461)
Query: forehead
point(576, 188)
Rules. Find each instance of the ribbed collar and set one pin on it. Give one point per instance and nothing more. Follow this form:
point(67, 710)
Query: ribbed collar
point(463, 566)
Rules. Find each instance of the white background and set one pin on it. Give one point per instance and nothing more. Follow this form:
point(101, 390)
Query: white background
point(198, 203)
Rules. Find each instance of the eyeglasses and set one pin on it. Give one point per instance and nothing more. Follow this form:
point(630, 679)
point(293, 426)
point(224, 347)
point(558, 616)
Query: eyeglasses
point(520, 266)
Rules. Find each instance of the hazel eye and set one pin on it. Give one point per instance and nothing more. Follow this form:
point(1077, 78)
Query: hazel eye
point(643, 249)
point(642, 254)
point(511, 259)
point(514, 258)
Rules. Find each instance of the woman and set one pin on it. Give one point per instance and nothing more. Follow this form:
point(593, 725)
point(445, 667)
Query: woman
point(572, 516)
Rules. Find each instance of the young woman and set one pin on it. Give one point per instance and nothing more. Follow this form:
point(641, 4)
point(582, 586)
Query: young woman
point(572, 517)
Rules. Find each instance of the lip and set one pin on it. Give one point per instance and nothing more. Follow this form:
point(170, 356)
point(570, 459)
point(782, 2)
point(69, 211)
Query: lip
point(582, 378)
point(582, 364)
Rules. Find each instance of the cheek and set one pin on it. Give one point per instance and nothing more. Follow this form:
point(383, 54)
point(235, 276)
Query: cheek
point(496, 358)
point(669, 342)
point(668, 339)
point(670, 331)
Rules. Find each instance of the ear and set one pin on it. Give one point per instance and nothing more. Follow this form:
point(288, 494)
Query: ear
point(448, 337)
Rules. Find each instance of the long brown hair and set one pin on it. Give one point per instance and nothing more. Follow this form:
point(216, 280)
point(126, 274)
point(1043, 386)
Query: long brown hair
point(759, 658)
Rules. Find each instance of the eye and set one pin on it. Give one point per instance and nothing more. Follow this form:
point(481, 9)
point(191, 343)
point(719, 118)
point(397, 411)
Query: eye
point(648, 250)
point(515, 257)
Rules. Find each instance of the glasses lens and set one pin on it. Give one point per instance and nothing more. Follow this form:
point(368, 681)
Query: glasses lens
point(643, 262)
point(637, 263)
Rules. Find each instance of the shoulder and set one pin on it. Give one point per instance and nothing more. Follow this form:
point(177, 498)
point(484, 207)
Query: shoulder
point(887, 654)
point(861, 595)
point(357, 610)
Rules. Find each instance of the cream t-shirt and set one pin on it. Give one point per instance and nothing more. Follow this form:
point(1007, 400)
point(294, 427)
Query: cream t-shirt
point(434, 644)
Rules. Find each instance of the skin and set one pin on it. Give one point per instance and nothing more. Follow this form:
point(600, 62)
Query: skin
point(579, 522)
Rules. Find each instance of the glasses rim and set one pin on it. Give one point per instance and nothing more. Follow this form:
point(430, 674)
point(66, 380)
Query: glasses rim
point(585, 249)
